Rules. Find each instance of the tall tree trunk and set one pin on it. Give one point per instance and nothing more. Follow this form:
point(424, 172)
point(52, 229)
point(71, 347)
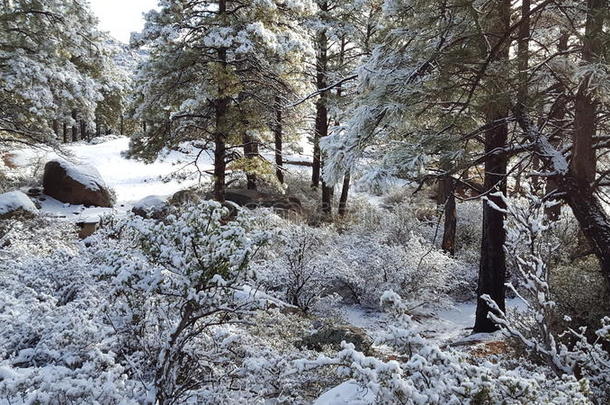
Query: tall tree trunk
point(221, 109)
point(122, 127)
point(584, 160)
point(449, 231)
point(344, 194)
point(83, 130)
point(56, 128)
point(558, 120)
point(492, 267)
point(321, 127)
point(250, 152)
point(98, 126)
point(277, 134)
point(65, 132)
point(75, 126)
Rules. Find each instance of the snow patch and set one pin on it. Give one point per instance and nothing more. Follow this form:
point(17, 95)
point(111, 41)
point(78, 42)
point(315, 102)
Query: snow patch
point(84, 174)
point(347, 393)
point(16, 200)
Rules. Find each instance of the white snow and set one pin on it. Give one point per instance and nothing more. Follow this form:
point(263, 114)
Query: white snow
point(16, 200)
point(150, 202)
point(347, 393)
point(83, 173)
point(132, 180)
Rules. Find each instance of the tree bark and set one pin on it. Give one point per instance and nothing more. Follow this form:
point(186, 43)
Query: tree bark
point(277, 134)
point(321, 126)
point(492, 267)
point(344, 194)
point(75, 126)
point(557, 119)
point(450, 228)
point(250, 152)
point(221, 109)
point(83, 130)
point(584, 160)
point(65, 132)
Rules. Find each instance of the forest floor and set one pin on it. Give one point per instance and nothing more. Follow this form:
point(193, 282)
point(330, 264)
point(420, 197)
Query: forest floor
point(133, 180)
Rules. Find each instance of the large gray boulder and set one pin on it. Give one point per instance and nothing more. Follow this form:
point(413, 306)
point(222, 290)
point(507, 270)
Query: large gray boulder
point(75, 184)
point(16, 204)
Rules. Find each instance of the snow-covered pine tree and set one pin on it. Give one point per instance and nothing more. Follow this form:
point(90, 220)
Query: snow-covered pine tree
point(50, 55)
point(209, 75)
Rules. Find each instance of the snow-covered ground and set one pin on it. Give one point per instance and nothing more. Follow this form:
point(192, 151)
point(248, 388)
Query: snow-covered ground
point(131, 179)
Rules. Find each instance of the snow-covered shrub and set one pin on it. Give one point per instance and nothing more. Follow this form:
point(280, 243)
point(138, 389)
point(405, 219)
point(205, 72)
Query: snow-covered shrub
point(305, 264)
point(170, 282)
point(140, 313)
point(419, 372)
point(302, 265)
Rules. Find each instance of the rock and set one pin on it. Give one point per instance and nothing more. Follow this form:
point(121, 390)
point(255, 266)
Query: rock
point(151, 207)
point(87, 228)
point(34, 192)
point(333, 335)
point(75, 184)
point(253, 199)
point(185, 196)
point(16, 204)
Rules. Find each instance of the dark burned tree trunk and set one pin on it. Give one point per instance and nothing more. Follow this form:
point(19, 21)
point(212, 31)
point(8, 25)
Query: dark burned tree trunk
point(277, 135)
point(492, 267)
point(221, 108)
point(447, 184)
point(344, 194)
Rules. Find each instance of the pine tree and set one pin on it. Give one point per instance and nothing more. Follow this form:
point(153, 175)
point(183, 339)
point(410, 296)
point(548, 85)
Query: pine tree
point(209, 73)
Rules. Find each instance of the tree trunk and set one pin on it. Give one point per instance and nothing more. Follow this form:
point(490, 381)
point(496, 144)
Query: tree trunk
point(56, 128)
point(327, 201)
point(321, 127)
point(277, 133)
point(492, 267)
point(250, 152)
point(591, 217)
point(122, 127)
point(83, 130)
point(557, 118)
point(221, 109)
point(583, 163)
point(75, 126)
point(65, 132)
point(344, 194)
point(450, 228)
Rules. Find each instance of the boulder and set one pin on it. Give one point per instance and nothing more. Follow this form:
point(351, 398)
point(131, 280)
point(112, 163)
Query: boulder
point(151, 207)
point(333, 335)
point(16, 204)
point(75, 184)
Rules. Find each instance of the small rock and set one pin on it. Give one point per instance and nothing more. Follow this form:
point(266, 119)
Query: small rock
point(333, 335)
point(16, 204)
